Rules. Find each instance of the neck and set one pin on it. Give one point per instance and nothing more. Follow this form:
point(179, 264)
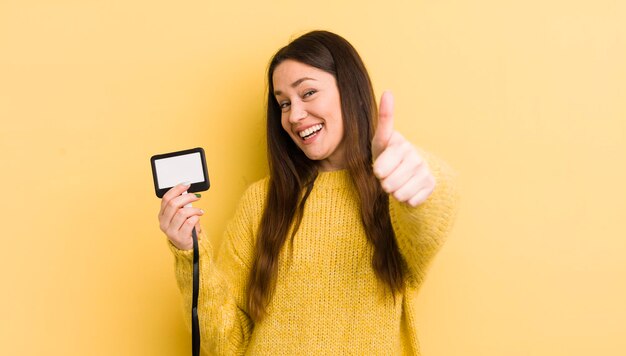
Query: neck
point(330, 168)
point(335, 162)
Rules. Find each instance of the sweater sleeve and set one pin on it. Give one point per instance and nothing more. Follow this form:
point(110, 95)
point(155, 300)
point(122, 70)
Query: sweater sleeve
point(422, 230)
point(225, 326)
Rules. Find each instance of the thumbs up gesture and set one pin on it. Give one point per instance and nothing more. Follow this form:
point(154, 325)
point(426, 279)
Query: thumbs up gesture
point(402, 172)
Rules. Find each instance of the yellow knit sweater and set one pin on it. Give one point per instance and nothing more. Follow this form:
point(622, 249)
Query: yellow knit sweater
point(328, 300)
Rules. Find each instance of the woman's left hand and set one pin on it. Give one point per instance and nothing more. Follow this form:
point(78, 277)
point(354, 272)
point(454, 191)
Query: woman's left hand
point(402, 172)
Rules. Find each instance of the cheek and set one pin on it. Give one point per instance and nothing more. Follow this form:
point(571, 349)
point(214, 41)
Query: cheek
point(337, 117)
point(340, 131)
point(337, 125)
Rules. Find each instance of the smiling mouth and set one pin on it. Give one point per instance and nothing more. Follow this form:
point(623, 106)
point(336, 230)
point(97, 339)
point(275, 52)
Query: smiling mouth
point(310, 132)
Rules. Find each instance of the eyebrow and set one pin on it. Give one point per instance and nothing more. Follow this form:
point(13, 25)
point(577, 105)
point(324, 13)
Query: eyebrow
point(294, 84)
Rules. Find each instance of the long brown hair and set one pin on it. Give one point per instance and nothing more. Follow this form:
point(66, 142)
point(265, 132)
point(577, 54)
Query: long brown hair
point(292, 174)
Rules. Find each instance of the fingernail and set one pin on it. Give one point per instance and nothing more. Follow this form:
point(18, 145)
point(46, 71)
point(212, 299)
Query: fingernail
point(186, 184)
point(197, 195)
point(201, 211)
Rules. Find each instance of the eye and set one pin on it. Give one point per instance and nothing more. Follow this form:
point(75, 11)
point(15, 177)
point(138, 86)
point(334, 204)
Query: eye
point(283, 105)
point(309, 93)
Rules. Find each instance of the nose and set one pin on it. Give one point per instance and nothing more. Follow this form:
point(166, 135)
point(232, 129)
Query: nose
point(297, 112)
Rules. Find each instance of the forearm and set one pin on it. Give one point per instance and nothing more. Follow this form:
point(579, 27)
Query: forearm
point(422, 230)
point(224, 327)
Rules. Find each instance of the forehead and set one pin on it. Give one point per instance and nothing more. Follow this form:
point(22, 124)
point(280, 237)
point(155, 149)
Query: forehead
point(290, 71)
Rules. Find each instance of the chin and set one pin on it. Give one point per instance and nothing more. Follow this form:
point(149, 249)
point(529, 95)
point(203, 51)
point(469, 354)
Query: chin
point(314, 156)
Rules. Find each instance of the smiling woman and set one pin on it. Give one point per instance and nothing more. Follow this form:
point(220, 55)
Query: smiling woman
point(363, 209)
point(311, 112)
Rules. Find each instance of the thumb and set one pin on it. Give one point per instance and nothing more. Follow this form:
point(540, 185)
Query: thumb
point(384, 129)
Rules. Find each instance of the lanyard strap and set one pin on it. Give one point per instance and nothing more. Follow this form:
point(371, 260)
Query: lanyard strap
point(195, 326)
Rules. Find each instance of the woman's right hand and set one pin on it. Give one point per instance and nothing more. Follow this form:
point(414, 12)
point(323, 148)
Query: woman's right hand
point(175, 220)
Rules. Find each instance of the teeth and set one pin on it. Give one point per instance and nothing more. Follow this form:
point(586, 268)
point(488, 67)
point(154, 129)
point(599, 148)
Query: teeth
point(310, 130)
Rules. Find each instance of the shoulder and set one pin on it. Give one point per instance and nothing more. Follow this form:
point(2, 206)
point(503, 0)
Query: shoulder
point(259, 187)
point(257, 191)
point(241, 229)
point(253, 199)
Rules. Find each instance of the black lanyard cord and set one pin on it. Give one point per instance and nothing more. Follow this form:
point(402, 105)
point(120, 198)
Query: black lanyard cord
point(195, 326)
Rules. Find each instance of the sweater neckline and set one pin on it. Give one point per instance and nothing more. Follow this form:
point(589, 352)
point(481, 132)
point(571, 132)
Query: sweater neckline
point(333, 178)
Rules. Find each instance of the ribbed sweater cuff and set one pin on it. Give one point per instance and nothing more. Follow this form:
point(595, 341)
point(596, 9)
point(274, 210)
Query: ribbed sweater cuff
point(187, 255)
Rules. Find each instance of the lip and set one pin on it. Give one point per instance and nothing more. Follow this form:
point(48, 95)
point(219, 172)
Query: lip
point(312, 139)
point(302, 128)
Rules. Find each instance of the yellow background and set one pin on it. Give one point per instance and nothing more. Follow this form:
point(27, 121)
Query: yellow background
point(525, 99)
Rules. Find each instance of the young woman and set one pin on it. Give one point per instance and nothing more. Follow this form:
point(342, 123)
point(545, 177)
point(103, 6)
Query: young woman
point(326, 255)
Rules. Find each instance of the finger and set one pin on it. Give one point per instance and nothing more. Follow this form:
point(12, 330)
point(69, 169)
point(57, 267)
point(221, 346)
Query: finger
point(178, 202)
point(384, 128)
point(199, 229)
point(174, 192)
point(390, 158)
point(421, 181)
point(428, 185)
point(407, 169)
point(184, 234)
point(407, 190)
point(181, 216)
point(174, 205)
point(421, 196)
